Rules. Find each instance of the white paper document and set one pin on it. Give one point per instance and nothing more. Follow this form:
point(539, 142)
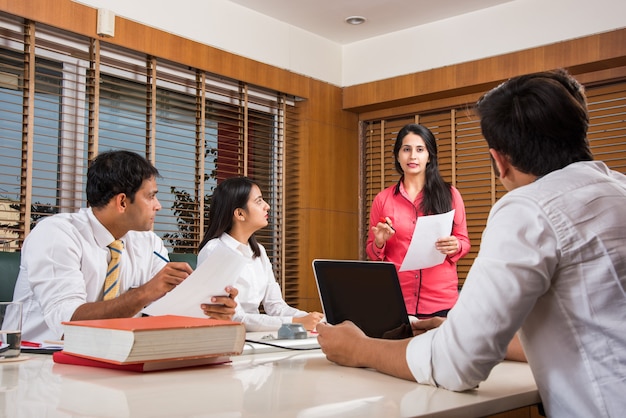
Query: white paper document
point(422, 252)
point(220, 269)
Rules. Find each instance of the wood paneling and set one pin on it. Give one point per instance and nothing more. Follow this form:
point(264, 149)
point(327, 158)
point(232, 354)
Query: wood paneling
point(329, 186)
point(328, 234)
point(600, 52)
point(81, 19)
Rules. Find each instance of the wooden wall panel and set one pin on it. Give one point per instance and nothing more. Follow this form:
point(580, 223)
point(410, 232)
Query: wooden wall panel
point(598, 52)
point(329, 186)
point(81, 19)
point(329, 234)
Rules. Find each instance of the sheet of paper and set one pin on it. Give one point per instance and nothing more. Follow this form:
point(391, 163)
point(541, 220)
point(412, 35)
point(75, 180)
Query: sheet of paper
point(219, 270)
point(422, 252)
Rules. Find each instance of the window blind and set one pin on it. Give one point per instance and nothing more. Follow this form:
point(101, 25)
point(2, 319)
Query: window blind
point(464, 159)
point(607, 124)
point(70, 97)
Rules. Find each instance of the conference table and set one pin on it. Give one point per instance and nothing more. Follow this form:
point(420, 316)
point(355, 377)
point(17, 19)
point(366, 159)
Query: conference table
point(258, 383)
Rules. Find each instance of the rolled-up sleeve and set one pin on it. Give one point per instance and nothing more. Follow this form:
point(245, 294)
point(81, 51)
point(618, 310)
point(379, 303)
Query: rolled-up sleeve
point(418, 357)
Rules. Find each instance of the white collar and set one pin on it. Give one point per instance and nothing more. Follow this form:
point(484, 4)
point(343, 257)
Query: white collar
point(231, 242)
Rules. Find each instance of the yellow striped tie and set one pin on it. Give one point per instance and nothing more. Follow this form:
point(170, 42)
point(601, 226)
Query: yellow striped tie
point(111, 283)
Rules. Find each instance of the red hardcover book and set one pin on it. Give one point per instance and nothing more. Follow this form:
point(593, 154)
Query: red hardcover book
point(144, 339)
point(62, 357)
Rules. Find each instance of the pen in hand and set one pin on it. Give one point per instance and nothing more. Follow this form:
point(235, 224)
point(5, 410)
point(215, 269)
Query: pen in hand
point(385, 220)
point(160, 256)
point(165, 259)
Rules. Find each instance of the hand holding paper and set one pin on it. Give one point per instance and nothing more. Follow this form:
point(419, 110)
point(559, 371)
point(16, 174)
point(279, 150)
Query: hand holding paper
point(219, 270)
point(422, 252)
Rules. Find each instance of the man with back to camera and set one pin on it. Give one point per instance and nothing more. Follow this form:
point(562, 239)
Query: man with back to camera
point(552, 264)
point(65, 258)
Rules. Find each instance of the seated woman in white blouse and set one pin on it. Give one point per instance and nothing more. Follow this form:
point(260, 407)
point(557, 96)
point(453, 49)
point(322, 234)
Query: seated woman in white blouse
point(237, 212)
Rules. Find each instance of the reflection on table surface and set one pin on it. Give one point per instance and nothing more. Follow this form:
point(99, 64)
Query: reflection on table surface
point(280, 384)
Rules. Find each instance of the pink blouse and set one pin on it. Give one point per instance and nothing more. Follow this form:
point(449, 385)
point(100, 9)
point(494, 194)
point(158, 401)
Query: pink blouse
point(429, 290)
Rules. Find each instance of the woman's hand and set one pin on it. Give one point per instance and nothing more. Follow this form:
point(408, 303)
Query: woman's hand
point(310, 321)
point(382, 232)
point(448, 245)
point(221, 307)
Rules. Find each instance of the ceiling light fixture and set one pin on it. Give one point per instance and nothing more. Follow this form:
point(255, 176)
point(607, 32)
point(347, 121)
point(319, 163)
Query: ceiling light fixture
point(355, 20)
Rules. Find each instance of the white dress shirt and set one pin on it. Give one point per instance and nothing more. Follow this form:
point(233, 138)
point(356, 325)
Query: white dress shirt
point(553, 262)
point(256, 284)
point(64, 263)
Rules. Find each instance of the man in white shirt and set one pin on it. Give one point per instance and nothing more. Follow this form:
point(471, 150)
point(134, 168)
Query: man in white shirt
point(65, 258)
point(552, 264)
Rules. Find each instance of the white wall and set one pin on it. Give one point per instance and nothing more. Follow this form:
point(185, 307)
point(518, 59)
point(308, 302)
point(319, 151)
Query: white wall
point(512, 26)
point(236, 29)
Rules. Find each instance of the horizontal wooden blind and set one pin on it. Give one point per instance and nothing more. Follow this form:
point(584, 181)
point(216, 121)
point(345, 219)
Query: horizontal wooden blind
point(41, 80)
point(12, 80)
point(378, 163)
point(265, 161)
point(440, 124)
point(179, 131)
point(373, 164)
point(379, 167)
point(475, 182)
point(291, 231)
point(464, 159)
point(64, 98)
point(607, 124)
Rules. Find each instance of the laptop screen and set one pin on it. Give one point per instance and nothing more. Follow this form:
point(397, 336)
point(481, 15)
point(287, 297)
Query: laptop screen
point(364, 292)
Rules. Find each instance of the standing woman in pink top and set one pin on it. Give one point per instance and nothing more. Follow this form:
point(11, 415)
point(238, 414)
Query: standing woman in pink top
point(420, 191)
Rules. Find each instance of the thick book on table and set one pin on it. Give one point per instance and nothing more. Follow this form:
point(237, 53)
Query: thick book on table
point(167, 337)
point(62, 357)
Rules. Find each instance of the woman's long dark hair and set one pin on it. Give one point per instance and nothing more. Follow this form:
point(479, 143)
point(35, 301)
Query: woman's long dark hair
point(437, 195)
point(229, 195)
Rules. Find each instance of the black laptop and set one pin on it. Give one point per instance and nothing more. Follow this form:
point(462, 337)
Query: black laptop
point(364, 292)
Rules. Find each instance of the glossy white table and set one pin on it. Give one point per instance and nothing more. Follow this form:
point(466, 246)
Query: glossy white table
point(279, 384)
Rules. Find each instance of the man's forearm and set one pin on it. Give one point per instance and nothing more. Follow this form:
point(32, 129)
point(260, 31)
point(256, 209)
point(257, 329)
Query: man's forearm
point(127, 305)
point(387, 356)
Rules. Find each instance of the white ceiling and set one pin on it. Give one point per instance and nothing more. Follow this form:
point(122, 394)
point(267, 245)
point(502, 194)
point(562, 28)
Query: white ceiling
point(326, 18)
